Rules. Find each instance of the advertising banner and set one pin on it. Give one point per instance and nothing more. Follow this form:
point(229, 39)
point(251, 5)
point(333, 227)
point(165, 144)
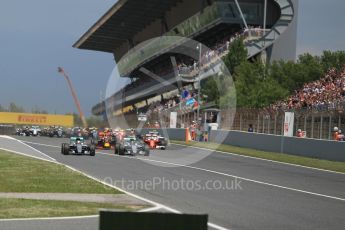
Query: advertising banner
point(36, 119)
point(288, 124)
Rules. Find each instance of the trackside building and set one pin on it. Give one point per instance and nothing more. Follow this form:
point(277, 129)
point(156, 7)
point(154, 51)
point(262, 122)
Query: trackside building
point(269, 29)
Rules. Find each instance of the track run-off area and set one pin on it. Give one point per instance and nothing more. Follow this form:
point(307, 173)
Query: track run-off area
point(237, 192)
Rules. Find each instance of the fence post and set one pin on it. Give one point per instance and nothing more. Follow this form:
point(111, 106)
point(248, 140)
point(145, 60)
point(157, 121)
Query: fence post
point(240, 121)
point(275, 124)
point(330, 127)
point(312, 126)
point(305, 123)
point(321, 125)
point(257, 130)
point(282, 128)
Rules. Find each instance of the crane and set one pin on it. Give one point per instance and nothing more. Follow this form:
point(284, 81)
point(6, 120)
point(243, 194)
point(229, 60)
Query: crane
point(76, 101)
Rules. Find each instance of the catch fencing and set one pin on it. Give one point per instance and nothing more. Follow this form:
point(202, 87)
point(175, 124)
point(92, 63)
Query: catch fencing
point(316, 123)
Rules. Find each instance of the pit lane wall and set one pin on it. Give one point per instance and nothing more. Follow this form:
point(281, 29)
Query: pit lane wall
point(322, 149)
point(36, 119)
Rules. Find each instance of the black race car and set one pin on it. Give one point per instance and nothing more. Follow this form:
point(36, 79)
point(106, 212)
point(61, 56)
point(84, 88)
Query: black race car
point(130, 145)
point(78, 146)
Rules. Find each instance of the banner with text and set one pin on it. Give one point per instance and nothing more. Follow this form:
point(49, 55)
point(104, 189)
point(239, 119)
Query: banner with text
point(288, 124)
point(36, 119)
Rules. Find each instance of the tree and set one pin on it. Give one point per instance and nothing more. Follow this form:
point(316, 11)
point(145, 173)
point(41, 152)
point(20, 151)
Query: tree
point(94, 121)
point(2, 109)
point(209, 90)
point(237, 55)
point(331, 59)
point(15, 109)
point(256, 87)
point(37, 110)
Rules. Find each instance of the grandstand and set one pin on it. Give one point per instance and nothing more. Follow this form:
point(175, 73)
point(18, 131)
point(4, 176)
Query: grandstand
point(267, 27)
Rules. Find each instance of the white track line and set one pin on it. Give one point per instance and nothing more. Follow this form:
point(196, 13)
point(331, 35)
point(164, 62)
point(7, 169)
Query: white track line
point(155, 204)
point(50, 218)
point(150, 209)
point(230, 175)
point(27, 155)
point(34, 143)
point(228, 153)
point(250, 180)
point(257, 158)
point(53, 159)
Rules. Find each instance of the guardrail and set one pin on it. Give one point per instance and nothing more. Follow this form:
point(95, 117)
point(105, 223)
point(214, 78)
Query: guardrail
point(306, 147)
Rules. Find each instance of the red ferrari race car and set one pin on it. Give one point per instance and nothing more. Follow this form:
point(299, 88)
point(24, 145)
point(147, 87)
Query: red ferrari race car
point(155, 141)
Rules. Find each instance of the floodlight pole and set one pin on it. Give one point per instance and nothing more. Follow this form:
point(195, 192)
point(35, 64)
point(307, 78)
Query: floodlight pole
point(76, 101)
point(265, 15)
point(239, 9)
point(199, 85)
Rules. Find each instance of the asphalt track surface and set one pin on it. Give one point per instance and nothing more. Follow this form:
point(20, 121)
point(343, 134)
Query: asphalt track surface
point(237, 192)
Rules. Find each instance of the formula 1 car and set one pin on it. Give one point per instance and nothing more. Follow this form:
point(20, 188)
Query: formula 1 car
point(56, 131)
point(130, 145)
point(25, 131)
point(106, 140)
point(155, 141)
point(78, 146)
point(35, 131)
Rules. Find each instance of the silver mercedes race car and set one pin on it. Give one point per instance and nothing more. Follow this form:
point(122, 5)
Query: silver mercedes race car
point(133, 146)
point(78, 146)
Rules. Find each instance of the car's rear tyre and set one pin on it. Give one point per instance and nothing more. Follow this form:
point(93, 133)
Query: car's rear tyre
point(117, 149)
point(121, 150)
point(147, 150)
point(163, 143)
point(92, 150)
point(65, 149)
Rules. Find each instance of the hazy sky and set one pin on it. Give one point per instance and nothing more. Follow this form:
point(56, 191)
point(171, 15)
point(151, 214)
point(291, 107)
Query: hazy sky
point(36, 37)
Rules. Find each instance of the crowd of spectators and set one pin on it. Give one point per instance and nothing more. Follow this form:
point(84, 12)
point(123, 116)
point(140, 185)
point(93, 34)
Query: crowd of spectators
point(208, 56)
point(218, 50)
point(188, 66)
point(325, 93)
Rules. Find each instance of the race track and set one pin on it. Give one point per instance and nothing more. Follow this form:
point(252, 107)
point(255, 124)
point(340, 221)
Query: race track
point(263, 195)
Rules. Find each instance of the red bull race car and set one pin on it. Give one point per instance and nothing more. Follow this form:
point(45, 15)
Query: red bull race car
point(105, 140)
point(155, 141)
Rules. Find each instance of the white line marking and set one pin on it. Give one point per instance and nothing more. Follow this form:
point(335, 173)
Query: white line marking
point(50, 218)
point(27, 155)
point(7, 137)
point(233, 176)
point(160, 206)
point(36, 150)
point(228, 153)
point(257, 158)
point(150, 209)
point(34, 143)
point(250, 180)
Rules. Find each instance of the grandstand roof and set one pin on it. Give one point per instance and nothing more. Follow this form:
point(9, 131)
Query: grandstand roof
point(122, 22)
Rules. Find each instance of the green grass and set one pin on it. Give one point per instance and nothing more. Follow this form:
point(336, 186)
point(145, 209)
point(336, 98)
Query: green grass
point(281, 157)
point(25, 174)
point(26, 208)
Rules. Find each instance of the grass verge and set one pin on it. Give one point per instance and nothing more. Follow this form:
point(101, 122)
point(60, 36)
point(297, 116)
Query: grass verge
point(281, 157)
point(25, 174)
point(26, 208)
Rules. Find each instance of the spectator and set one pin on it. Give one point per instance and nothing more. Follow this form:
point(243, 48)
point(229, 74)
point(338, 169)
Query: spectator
point(335, 134)
point(324, 93)
point(299, 133)
point(340, 136)
point(250, 129)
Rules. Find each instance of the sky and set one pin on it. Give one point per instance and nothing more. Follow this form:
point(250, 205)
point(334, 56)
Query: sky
point(36, 37)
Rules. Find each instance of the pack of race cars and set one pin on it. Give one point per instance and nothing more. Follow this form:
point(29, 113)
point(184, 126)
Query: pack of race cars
point(123, 142)
point(86, 141)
